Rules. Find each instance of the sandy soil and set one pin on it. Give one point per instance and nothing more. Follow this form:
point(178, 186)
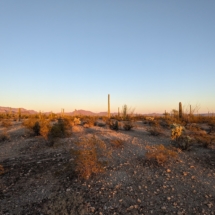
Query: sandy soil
point(39, 179)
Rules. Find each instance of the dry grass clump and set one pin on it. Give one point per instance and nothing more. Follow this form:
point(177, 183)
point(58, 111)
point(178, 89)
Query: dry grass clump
point(4, 136)
point(6, 123)
point(90, 157)
point(128, 125)
point(117, 143)
point(160, 154)
point(1, 170)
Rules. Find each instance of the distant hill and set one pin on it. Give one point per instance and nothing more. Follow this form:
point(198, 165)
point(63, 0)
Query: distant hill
point(15, 110)
point(87, 113)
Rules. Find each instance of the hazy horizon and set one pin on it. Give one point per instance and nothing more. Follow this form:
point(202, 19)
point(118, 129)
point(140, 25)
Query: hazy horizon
point(150, 55)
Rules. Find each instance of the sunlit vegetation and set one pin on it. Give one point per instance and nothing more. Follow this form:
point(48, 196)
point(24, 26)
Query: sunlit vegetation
point(160, 154)
point(90, 157)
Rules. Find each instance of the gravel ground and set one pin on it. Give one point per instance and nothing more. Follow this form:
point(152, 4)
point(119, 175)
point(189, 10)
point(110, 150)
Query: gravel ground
point(41, 180)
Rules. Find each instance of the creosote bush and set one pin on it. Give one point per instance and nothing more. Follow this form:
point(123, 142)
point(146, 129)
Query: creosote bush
point(128, 125)
point(44, 128)
point(90, 157)
point(36, 128)
point(184, 142)
point(160, 154)
point(113, 124)
point(117, 143)
point(155, 131)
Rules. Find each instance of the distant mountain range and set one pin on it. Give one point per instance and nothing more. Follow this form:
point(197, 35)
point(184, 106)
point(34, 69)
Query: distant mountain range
point(15, 110)
point(73, 113)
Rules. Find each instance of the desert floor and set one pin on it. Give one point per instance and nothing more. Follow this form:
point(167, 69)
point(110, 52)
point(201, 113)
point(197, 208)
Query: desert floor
point(40, 179)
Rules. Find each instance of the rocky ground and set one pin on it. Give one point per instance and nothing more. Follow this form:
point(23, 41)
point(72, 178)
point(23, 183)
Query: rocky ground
point(40, 179)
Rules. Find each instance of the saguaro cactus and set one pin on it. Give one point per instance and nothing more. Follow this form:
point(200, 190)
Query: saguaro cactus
point(19, 114)
point(190, 110)
point(118, 112)
point(180, 110)
point(108, 105)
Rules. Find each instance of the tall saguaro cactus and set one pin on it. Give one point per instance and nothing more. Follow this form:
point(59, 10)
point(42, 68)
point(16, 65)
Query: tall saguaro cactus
point(19, 114)
point(180, 110)
point(108, 105)
point(190, 110)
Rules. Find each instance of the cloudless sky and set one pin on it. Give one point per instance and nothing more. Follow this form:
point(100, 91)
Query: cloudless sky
point(71, 54)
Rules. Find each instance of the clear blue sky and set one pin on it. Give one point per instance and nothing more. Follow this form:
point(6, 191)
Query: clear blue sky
point(70, 54)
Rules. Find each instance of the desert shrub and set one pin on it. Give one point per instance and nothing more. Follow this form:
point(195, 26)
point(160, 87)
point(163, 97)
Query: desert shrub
point(104, 119)
point(90, 157)
point(160, 154)
point(36, 128)
point(193, 127)
point(89, 122)
point(4, 136)
point(212, 125)
point(30, 122)
point(184, 142)
point(101, 124)
point(1, 170)
point(149, 118)
point(77, 121)
point(44, 128)
point(206, 140)
point(113, 124)
point(155, 131)
point(57, 130)
point(128, 125)
point(6, 123)
point(117, 143)
point(60, 129)
point(166, 122)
